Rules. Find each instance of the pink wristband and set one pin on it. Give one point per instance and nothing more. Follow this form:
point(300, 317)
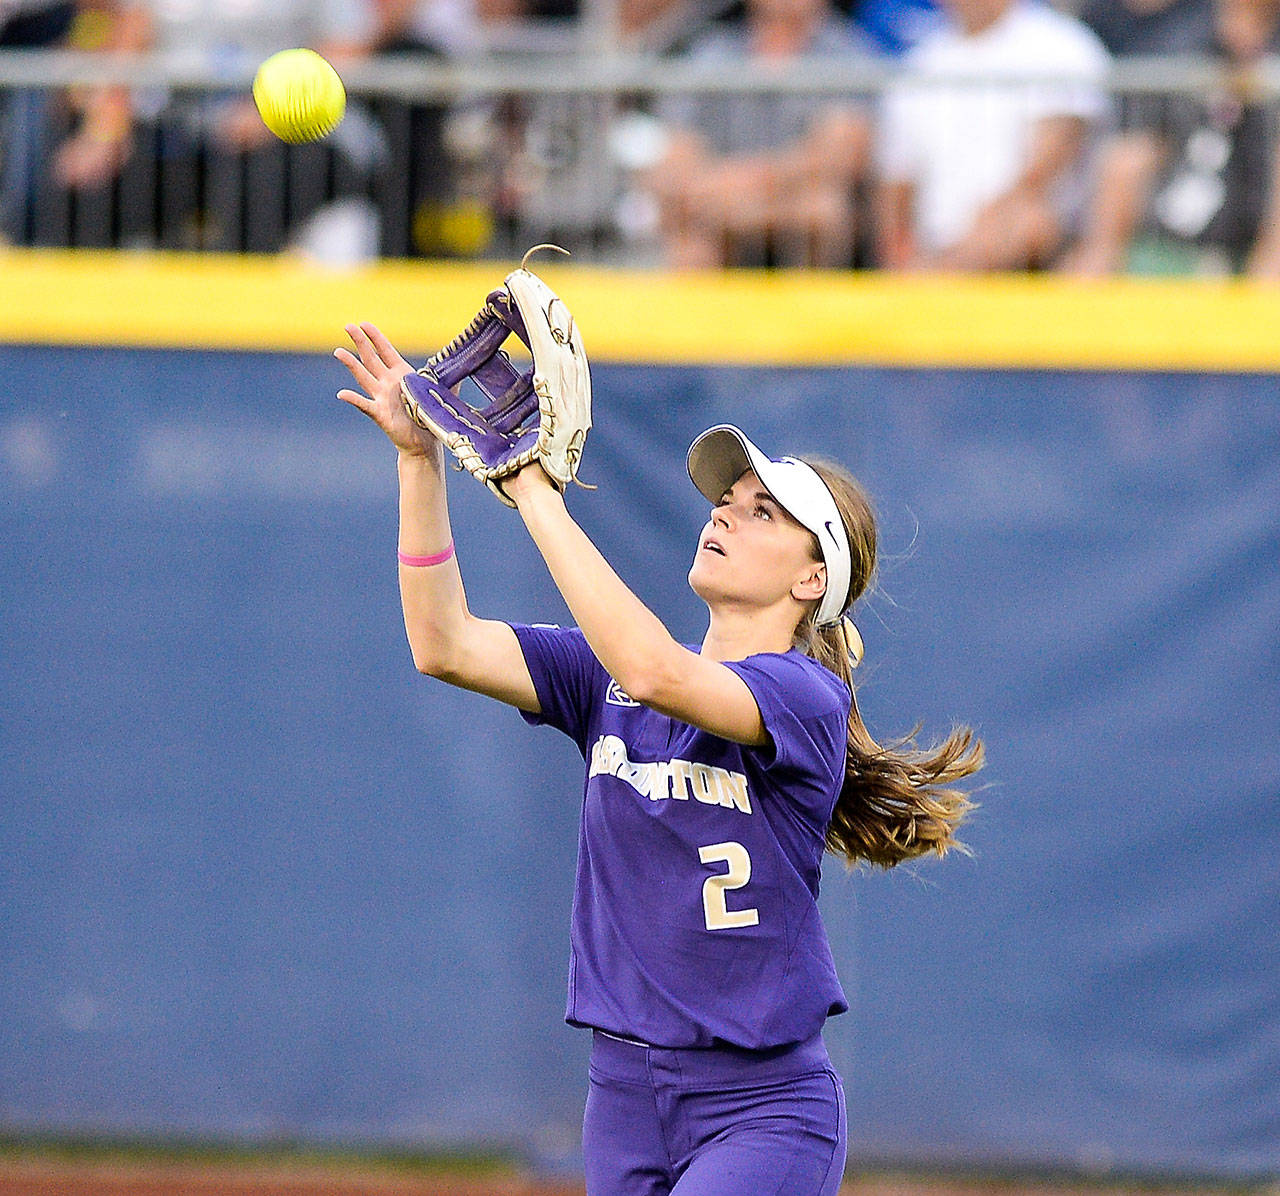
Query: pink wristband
point(423, 562)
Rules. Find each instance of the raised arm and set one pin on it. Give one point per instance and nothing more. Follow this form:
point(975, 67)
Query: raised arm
point(627, 638)
point(446, 639)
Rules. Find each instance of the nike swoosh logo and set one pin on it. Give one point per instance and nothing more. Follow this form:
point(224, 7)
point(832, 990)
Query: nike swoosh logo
point(830, 532)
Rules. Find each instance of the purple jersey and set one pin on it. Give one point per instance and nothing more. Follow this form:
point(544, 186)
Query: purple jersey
point(695, 918)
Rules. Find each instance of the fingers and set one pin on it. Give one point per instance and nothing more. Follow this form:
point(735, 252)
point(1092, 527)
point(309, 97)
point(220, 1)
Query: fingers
point(360, 402)
point(386, 350)
point(376, 352)
point(369, 357)
point(364, 378)
point(375, 366)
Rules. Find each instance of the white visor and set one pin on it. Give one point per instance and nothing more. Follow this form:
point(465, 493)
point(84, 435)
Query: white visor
point(721, 455)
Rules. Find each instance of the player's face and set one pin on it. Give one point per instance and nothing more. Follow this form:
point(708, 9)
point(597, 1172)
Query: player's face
point(751, 552)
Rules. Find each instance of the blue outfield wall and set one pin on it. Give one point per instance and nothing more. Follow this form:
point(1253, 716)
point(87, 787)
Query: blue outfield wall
point(260, 879)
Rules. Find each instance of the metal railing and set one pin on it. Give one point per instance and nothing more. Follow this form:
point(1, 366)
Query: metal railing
point(465, 157)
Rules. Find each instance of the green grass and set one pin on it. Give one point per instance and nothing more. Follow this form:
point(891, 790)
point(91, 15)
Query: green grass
point(281, 1152)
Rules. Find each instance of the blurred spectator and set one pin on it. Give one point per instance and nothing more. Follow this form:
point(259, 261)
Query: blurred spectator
point(556, 167)
point(415, 192)
point(201, 170)
point(1143, 28)
point(768, 180)
point(25, 24)
point(1187, 183)
point(982, 139)
point(658, 26)
point(34, 22)
point(446, 26)
point(897, 25)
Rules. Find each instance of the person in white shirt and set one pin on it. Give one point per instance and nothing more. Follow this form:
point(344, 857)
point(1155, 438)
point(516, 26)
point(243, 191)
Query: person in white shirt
point(981, 140)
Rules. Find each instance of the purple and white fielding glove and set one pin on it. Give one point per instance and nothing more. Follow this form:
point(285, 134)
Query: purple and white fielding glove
point(541, 413)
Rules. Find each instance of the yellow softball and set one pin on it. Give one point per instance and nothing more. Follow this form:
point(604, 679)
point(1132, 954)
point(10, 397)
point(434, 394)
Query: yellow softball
point(299, 95)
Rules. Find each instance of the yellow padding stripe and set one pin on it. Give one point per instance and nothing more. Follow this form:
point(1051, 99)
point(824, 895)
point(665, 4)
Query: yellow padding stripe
point(809, 318)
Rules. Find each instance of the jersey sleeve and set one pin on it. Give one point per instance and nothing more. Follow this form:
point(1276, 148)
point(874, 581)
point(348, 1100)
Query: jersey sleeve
point(1075, 54)
point(805, 709)
point(566, 677)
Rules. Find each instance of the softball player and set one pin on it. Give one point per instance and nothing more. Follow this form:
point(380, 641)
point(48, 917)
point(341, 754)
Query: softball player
point(715, 778)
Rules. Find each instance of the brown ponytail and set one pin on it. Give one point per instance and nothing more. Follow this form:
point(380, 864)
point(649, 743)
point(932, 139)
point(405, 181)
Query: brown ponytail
point(897, 802)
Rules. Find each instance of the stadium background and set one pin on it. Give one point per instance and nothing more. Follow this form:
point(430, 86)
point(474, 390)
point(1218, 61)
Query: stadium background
point(263, 884)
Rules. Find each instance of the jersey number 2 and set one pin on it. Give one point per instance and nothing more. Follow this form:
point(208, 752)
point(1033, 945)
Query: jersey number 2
point(718, 915)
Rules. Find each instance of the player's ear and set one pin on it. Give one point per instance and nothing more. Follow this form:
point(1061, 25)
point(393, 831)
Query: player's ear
point(812, 584)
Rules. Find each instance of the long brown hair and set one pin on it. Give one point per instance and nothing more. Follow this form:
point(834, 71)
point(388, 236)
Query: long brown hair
point(897, 801)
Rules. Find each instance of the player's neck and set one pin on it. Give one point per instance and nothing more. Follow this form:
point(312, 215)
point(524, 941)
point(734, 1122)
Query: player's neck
point(736, 634)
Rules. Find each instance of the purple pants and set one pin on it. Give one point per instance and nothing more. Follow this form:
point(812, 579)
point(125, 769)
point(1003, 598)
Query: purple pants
point(720, 1122)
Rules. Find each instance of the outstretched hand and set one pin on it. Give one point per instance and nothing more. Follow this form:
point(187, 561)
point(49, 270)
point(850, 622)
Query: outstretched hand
point(377, 369)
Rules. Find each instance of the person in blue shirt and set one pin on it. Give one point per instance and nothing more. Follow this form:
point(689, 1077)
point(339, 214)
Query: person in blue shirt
point(717, 775)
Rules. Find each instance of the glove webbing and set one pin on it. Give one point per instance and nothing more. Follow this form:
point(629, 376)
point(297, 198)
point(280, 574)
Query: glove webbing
point(476, 353)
